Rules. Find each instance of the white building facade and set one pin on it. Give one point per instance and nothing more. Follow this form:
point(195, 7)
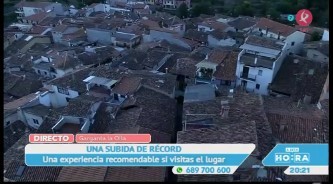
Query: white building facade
point(257, 65)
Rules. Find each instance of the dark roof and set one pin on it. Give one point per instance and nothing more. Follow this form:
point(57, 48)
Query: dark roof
point(242, 132)
point(73, 81)
point(185, 66)
point(63, 62)
point(22, 4)
point(244, 107)
point(124, 36)
point(214, 24)
point(321, 46)
point(50, 20)
point(249, 59)
point(242, 23)
point(196, 35)
point(13, 133)
point(138, 174)
point(217, 56)
point(37, 17)
point(263, 42)
point(294, 79)
point(82, 174)
point(50, 120)
point(227, 69)
point(20, 102)
point(275, 27)
point(293, 122)
point(154, 57)
point(134, 60)
point(127, 85)
point(20, 60)
point(170, 62)
point(80, 106)
point(158, 110)
point(14, 158)
point(37, 29)
point(60, 28)
point(24, 86)
point(38, 110)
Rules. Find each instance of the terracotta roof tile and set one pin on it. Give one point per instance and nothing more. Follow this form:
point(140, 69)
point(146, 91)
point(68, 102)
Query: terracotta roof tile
point(214, 24)
point(37, 17)
point(294, 78)
point(185, 66)
point(227, 69)
point(127, 85)
point(275, 27)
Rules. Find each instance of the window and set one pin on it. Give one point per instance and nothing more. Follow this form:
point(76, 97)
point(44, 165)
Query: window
point(63, 91)
point(292, 43)
point(45, 73)
point(259, 29)
point(67, 99)
point(260, 72)
point(315, 55)
point(35, 121)
point(257, 86)
point(39, 71)
point(7, 123)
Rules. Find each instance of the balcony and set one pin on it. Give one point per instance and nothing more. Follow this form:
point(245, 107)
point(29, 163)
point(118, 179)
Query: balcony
point(248, 77)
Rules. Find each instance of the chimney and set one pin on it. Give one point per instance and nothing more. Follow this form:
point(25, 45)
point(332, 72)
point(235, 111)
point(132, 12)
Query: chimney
point(206, 57)
point(166, 70)
point(23, 77)
point(224, 109)
point(267, 30)
point(255, 60)
point(279, 35)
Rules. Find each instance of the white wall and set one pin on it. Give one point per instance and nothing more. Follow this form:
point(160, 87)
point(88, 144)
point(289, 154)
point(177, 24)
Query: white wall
point(205, 28)
point(11, 118)
point(30, 11)
point(326, 36)
point(61, 73)
point(213, 42)
point(61, 98)
point(297, 37)
point(30, 122)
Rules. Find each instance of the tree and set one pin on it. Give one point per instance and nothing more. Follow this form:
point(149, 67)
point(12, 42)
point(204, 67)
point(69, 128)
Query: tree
point(275, 15)
point(244, 9)
point(202, 8)
point(182, 11)
point(315, 36)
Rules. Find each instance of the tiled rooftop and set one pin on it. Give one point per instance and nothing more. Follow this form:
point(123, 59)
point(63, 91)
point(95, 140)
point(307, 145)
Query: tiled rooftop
point(263, 42)
point(185, 66)
point(294, 78)
point(227, 69)
point(275, 27)
point(127, 85)
point(82, 174)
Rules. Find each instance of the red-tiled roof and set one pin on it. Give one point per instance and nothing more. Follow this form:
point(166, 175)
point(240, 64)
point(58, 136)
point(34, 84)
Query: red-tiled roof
point(214, 24)
point(149, 23)
point(217, 56)
point(37, 17)
point(127, 85)
point(227, 69)
point(32, 4)
point(19, 102)
point(37, 29)
point(275, 27)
